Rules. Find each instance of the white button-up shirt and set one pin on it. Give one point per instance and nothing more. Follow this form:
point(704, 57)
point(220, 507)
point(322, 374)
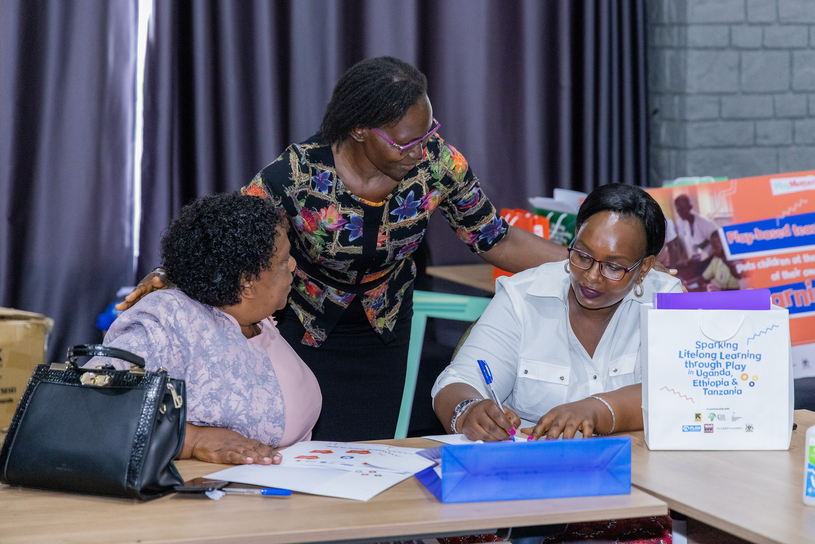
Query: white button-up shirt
point(535, 358)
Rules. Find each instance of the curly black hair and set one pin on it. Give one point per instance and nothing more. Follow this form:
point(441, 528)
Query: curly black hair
point(627, 200)
point(372, 93)
point(215, 242)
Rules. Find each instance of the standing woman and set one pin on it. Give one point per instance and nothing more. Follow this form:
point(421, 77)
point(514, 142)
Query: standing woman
point(359, 196)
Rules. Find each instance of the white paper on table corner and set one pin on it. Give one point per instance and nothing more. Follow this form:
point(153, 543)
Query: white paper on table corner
point(336, 469)
point(360, 485)
point(351, 455)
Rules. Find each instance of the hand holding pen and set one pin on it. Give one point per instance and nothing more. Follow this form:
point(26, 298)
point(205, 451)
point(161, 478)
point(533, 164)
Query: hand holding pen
point(495, 419)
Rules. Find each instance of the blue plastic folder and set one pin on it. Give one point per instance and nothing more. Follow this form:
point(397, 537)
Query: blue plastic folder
point(543, 469)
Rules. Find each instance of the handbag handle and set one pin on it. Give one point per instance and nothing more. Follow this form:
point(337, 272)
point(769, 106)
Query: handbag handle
point(94, 350)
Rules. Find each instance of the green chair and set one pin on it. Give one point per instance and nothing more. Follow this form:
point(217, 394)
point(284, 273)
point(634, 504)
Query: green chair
point(427, 304)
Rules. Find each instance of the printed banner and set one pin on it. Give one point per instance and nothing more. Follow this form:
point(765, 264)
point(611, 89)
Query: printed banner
point(770, 236)
point(749, 233)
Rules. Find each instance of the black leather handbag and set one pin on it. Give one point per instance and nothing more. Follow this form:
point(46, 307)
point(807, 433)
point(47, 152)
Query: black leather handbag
point(97, 430)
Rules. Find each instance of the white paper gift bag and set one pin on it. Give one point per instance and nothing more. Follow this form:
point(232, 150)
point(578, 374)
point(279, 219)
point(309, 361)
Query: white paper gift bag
point(716, 379)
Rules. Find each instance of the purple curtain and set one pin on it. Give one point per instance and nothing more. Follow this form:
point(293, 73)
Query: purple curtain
point(536, 94)
point(66, 159)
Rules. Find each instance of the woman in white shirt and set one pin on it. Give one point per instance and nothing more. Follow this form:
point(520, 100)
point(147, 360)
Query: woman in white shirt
point(563, 340)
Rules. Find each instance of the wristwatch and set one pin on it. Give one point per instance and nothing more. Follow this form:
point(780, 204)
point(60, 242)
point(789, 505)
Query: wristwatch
point(461, 407)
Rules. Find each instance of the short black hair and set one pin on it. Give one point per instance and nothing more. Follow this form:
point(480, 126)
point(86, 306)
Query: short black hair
point(372, 93)
point(215, 242)
point(685, 198)
point(627, 200)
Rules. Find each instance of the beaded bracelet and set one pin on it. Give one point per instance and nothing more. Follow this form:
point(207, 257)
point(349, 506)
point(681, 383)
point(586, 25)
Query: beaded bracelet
point(613, 417)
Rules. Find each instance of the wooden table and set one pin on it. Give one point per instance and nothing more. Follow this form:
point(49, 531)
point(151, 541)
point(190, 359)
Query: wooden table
point(755, 495)
point(473, 275)
point(407, 510)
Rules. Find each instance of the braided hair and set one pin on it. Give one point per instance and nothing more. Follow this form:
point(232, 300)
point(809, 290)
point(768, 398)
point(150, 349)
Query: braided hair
point(372, 93)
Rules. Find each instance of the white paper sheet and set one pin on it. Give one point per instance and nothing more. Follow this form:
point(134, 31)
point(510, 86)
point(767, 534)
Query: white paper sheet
point(335, 469)
point(461, 439)
point(454, 439)
point(451, 439)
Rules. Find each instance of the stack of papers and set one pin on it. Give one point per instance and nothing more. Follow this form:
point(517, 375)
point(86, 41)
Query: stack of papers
point(546, 203)
point(565, 200)
point(335, 469)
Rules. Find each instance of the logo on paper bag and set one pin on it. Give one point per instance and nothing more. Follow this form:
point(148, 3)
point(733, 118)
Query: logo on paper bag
point(708, 427)
point(697, 417)
point(691, 428)
point(748, 427)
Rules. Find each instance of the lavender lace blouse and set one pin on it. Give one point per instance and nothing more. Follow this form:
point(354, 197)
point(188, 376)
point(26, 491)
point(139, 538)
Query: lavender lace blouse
point(258, 387)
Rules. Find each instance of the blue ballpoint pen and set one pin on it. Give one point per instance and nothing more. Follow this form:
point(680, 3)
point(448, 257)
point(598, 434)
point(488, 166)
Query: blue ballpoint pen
point(485, 370)
point(252, 491)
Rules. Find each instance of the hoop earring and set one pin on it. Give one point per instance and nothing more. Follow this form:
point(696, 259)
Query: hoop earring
point(639, 290)
point(566, 266)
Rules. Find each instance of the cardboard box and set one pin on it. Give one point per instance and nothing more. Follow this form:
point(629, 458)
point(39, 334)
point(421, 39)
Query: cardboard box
point(23, 339)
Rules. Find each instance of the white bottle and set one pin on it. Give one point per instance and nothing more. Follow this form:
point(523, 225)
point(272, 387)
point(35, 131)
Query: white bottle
point(809, 467)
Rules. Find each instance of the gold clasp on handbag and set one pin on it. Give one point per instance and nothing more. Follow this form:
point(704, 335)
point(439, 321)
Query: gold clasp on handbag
point(96, 380)
point(177, 400)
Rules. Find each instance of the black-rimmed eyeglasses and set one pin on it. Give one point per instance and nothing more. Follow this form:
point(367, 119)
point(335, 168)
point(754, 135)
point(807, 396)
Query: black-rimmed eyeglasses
point(612, 271)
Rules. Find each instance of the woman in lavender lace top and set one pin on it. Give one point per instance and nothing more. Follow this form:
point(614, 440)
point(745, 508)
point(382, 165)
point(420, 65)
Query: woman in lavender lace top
point(248, 393)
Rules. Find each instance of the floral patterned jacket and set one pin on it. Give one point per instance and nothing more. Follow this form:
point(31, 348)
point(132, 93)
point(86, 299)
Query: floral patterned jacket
point(346, 246)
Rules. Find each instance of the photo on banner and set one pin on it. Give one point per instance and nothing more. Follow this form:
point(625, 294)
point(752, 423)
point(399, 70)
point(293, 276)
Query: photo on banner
point(749, 233)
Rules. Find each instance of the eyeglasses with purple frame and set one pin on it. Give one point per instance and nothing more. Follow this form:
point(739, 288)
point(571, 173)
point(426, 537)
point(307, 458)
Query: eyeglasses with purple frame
point(403, 148)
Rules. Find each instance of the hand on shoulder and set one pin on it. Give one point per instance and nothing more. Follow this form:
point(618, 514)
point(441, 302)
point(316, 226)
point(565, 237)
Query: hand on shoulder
point(153, 281)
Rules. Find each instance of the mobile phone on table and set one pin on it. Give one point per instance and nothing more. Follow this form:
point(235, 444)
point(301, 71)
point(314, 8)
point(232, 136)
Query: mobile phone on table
point(200, 485)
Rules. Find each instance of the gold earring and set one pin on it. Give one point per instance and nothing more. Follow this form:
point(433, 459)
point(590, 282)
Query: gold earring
point(639, 290)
